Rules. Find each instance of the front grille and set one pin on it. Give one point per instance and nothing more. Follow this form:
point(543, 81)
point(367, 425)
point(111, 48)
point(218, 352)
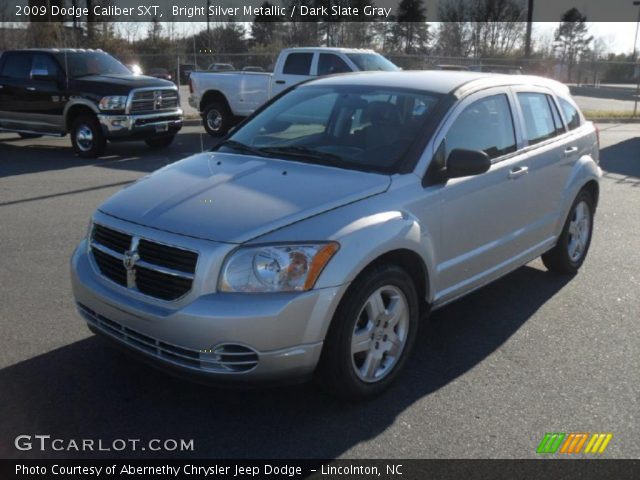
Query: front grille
point(166, 256)
point(225, 358)
point(149, 101)
point(155, 269)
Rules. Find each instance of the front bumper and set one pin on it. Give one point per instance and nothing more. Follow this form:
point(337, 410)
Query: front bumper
point(283, 331)
point(141, 126)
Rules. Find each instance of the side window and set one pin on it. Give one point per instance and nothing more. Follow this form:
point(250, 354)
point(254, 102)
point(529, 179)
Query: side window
point(485, 125)
point(44, 63)
point(571, 115)
point(328, 64)
point(298, 64)
point(16, 65)
point(557, 121)
point(538, 119)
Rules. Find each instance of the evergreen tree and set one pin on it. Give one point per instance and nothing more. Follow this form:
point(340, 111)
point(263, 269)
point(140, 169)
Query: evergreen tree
point(411, 32)
point(265, 29)
point(572, 38)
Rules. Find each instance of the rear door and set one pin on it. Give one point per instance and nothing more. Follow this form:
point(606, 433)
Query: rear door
point(551, 156)
point(296, 67)
point(14, 83)
point(484, 217)
point(46, 97)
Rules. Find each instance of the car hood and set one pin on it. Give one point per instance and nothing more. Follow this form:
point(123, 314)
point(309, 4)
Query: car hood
point(124, 83)
point(234, 198)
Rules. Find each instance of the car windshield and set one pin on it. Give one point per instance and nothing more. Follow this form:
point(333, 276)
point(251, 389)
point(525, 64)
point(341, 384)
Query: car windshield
point(354, 127)
point(82, 64)
point(372, 61)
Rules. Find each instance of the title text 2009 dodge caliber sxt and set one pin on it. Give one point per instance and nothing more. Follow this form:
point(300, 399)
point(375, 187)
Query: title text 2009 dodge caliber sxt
point(313, 237)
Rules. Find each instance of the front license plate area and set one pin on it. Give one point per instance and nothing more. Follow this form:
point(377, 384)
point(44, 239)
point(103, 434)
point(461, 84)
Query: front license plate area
point(162, 127)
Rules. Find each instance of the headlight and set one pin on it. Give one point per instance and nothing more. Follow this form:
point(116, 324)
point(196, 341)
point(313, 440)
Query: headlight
point(275, 268)
point(115, 102)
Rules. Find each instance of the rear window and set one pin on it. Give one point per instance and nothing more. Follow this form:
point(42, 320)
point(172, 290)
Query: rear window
point(16, 65)
point(538, 118)
point(45, 63)
point(298, 64)
point(571, 114)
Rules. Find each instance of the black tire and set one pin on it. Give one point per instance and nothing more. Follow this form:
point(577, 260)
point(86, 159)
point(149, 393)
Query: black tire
point(29, 135)
point(559, 259)
point(160, 142)
point(87, 138)
point(217, 119)
point(337, 368)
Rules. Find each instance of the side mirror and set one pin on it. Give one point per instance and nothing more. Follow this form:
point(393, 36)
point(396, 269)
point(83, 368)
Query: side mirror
point(464, 163)
point(43, 75)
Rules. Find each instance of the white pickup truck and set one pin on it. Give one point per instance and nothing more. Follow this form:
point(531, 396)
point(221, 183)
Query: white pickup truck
point(224, 97)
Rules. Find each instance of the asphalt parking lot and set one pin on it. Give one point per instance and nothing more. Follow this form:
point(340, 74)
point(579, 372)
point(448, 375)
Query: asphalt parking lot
point(490, 374)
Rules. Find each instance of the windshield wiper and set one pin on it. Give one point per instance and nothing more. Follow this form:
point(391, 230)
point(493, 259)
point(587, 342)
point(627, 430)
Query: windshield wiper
point(306, 153)
point(241, 147)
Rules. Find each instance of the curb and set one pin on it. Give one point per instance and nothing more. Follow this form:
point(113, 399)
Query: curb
point(613, 120)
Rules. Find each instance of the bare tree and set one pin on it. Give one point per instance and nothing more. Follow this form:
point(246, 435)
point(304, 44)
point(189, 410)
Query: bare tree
point(482, 28)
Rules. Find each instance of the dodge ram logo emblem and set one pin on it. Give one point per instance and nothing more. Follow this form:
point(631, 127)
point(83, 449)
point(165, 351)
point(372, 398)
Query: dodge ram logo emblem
point(157, 99)
point(129, 260)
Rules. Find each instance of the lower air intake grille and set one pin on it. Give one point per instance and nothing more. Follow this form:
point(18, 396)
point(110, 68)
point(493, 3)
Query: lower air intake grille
point(225, 358)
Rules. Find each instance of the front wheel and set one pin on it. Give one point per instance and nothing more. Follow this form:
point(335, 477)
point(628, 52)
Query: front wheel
point(371, 335)
point(160, 142)
point(217, 119)
point(572, 247)
point(87, 138)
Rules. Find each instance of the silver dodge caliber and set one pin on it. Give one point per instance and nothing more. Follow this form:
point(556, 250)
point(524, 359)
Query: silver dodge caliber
point(314, 238)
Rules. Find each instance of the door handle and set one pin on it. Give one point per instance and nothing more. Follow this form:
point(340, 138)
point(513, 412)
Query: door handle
point(280, 82)
point(569, 150)
point(518, 172)
point(31, 89)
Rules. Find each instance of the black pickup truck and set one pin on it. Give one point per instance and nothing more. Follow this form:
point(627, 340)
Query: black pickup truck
point(88, 94)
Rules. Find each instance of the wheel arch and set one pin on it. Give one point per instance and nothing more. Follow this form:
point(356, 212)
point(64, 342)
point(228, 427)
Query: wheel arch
point(213, 96)
point(74, 111)
point(413, 263)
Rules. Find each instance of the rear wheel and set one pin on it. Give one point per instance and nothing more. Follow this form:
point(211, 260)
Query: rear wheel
point(572, 247)
point(371, 335)
point(29, 135)
point(217, 119)
point(86, 137)
point(160, 142)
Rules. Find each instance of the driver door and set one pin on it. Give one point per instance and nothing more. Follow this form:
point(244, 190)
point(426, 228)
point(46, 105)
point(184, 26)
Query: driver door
point(484, 217)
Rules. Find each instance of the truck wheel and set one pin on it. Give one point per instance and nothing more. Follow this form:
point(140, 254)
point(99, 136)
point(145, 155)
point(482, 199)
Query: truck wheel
point(29, 135)
point(371, 334)
point(86, 137)
point(572, 247)
point(217, 119)
point(160, 142)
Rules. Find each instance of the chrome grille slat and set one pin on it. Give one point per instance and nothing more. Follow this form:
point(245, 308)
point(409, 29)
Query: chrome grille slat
point(158, 270)
point(190, 358)
point(154, 100)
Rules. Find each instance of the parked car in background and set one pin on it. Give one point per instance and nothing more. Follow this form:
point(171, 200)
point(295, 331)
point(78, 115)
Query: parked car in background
point(221, 67)
point(506, 69)
point(161, 73)
point(185, 70)
point(88, 94)
point(315, 237)
point(224, 98)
